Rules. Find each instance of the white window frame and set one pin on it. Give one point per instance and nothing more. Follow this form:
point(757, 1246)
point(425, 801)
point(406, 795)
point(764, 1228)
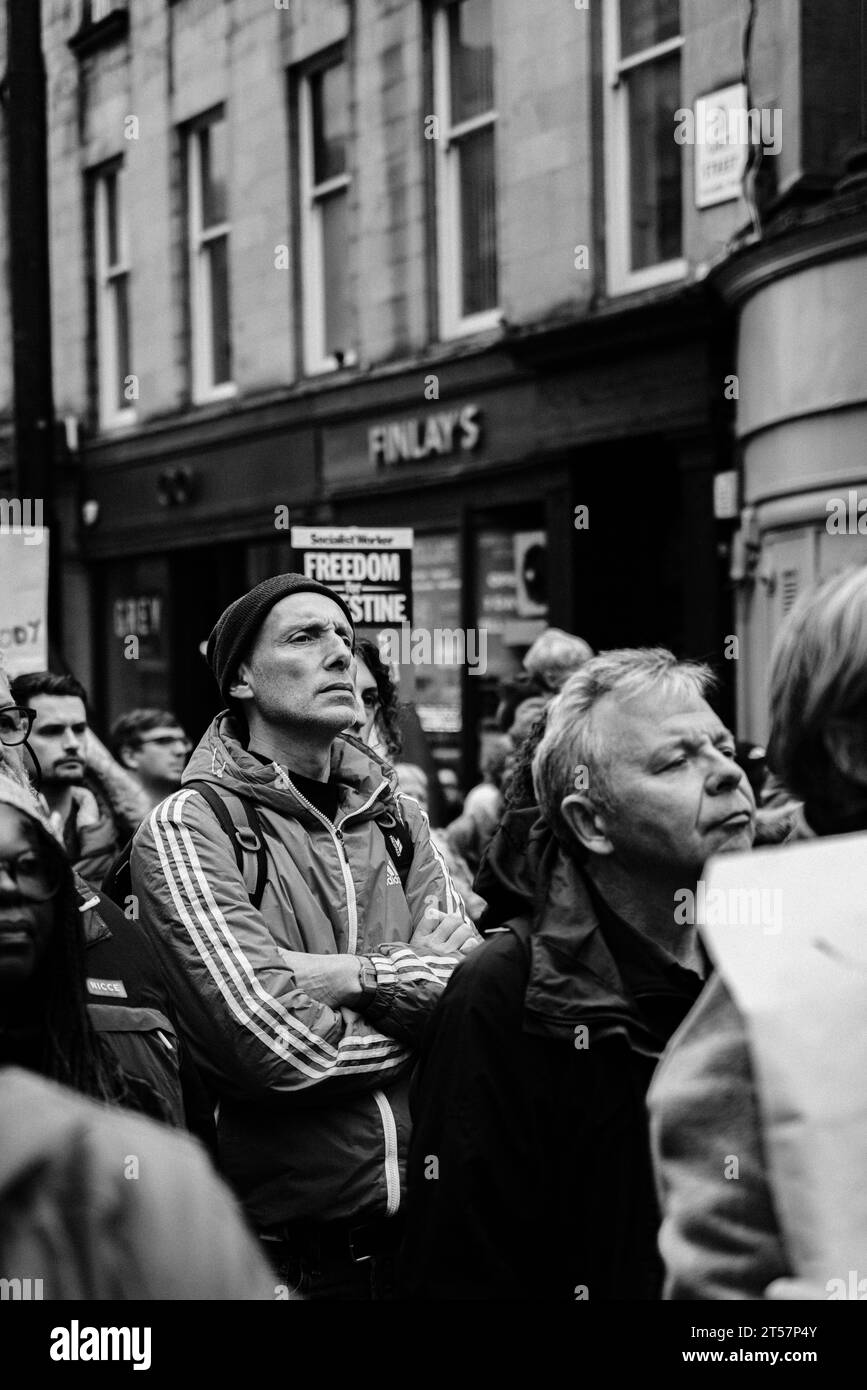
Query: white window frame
point(622, 279)
point(107, 274)
point(101, 9)
point(453, 323)
point(316, 356)
point(204, 388)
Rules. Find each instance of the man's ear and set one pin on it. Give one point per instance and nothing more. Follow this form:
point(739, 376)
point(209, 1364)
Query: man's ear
point(128, 756)
point(586, 822)
point(846, 743)
point(240, 688)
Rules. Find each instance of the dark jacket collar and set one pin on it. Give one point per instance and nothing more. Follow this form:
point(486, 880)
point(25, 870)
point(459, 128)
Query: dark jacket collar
point(588, 967)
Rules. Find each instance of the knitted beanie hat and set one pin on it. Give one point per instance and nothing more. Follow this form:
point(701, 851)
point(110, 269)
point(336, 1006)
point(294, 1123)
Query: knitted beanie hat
point(235, 629)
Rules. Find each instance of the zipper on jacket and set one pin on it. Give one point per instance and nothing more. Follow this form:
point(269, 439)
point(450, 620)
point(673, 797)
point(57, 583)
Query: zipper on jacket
point(392, 1169)
point(336, 834)
point(389, 1125)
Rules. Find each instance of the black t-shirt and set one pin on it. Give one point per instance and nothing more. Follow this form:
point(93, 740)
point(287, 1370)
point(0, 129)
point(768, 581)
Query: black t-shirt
point(323, 795)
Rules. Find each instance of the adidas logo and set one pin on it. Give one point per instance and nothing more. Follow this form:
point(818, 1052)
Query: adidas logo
point(391, 874)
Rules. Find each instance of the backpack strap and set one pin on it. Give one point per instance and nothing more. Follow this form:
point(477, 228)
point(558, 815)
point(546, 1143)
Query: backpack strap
point(247, 840)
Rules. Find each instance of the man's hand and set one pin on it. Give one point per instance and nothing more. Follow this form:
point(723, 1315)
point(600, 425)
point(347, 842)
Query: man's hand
point(86, 806)
point(443, 934)
point(332, 980)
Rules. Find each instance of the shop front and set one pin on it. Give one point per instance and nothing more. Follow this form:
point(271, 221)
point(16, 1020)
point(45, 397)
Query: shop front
point(566, 481)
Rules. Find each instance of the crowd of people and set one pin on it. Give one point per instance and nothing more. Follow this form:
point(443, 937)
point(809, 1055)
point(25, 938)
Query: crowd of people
point(357, 1048)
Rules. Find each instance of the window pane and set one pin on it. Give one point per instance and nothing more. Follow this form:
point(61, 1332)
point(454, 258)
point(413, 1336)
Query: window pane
point(644, 23)
point(120, 289)
point(478, 221)
point(436, 598)
point(217, 254)
point(334, 277)
point(471, 59)
point(213, 153)
point(112, 229)
point(329, 92)
point(654, 162)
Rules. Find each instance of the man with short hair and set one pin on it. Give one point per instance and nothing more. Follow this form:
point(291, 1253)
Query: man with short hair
point(153, 747)
point(304, 1012)
point(529, 1172)
point(59, 741)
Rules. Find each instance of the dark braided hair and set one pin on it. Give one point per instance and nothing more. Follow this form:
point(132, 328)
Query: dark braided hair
point(71, 1052)
point(518, 788)
point(386, 689)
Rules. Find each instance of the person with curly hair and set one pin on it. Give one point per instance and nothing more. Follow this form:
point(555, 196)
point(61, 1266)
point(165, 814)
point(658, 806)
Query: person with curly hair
point(377, 721)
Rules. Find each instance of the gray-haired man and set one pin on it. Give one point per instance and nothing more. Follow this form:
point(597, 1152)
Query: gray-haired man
point(529, 1109)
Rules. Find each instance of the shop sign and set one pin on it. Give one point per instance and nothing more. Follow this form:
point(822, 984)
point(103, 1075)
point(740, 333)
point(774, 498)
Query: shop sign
point(371, 568)
point(23, 603)
point(419, 437)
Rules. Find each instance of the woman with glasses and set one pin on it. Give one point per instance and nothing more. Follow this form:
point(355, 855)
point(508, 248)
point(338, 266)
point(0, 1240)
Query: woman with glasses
point(44, 1025)
point(68, 1213)
point(82, 997)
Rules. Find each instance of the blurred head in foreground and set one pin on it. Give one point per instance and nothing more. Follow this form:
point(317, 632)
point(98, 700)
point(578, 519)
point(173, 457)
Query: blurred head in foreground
point(818, 700)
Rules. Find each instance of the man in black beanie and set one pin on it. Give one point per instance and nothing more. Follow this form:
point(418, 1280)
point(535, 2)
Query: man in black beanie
point(303, 1000)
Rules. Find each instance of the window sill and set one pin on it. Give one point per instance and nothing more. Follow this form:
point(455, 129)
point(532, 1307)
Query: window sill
point(224, 392)
point(91, 37)
point(123, 420)
point(328, 365)
point(473, 323)
point(648, 279)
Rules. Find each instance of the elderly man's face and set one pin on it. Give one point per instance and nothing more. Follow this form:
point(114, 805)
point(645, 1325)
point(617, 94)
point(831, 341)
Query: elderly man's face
point(676, 794)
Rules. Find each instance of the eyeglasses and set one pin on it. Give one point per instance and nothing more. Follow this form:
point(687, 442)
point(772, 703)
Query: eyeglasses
point(166, 740)
point(33, 877)
point(15, 724)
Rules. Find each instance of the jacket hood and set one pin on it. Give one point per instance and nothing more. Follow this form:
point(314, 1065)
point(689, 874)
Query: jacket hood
point(221, 758)
point(507, 875)
point(20, 797)
point(573, 977)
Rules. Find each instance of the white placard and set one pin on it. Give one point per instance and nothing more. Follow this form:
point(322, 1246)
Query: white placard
point(24, 600)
